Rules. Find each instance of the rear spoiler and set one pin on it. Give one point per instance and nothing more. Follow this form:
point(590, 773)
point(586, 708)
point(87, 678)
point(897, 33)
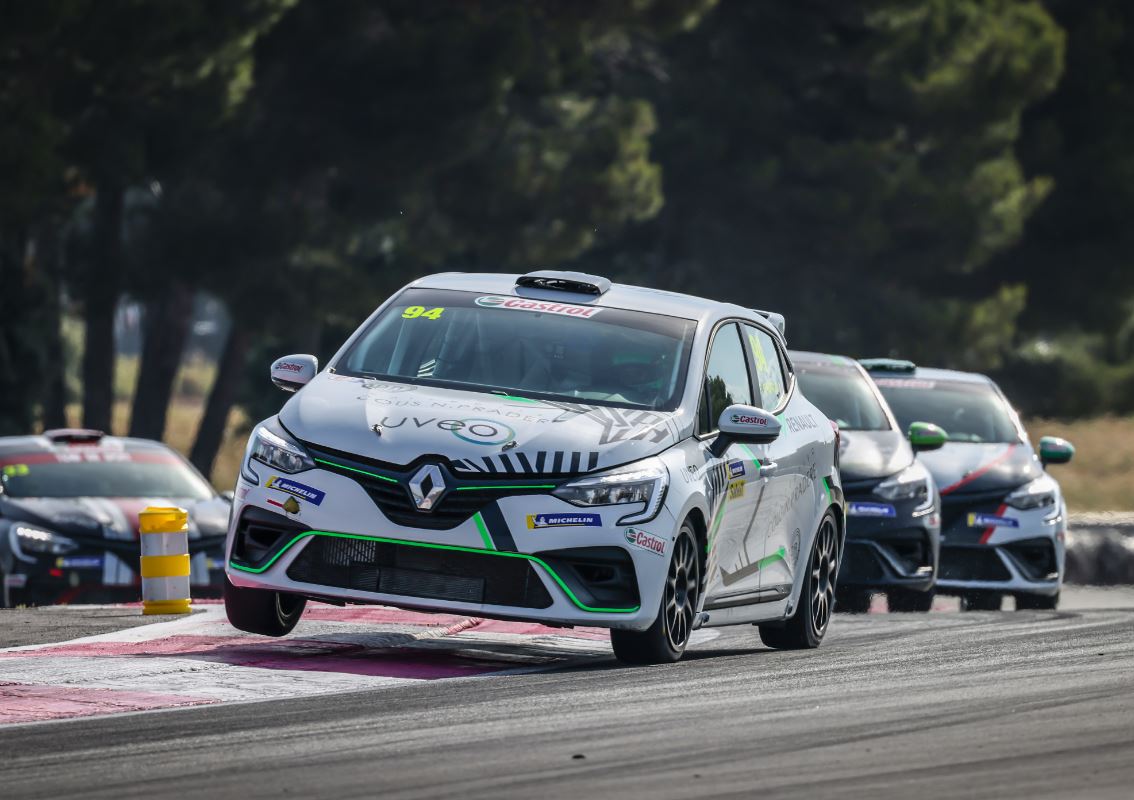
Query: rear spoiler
point(777, 320)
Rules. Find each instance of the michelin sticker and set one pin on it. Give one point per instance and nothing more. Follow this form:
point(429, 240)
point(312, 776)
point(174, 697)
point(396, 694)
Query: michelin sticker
point(542, 306)
point(79, 562)
point(871, 510)
point(301, 490)
point(646, 541)
point(563, 521)
point(991, 521)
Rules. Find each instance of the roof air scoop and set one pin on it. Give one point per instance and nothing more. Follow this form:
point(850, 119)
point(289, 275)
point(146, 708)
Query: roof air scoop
point(557, 280)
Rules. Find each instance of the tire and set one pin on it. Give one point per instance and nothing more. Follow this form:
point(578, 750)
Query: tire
point(665, 640)
point(905, 601)
point(981, 601)
point(805, 628)
point(262, 611)
point(853, 601)
point(1037, 601)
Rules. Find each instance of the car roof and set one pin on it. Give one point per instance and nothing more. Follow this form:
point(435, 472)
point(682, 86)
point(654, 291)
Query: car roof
point(808, 357)
point(12, 445)
point(932, 373)
point(620, 295)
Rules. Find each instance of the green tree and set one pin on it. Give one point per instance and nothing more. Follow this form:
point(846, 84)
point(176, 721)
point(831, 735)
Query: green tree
point(849, 164)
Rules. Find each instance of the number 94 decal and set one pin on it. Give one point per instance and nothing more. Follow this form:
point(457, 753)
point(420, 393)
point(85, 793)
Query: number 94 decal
point(420, 312)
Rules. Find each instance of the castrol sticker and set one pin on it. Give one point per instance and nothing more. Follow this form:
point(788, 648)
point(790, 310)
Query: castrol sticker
point(542, 306)
point(646, 541)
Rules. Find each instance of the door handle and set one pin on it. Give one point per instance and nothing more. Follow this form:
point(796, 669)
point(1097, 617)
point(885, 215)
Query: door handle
point(767, 468)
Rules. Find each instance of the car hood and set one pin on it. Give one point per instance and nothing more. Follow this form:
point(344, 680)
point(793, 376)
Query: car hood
point(965, 467)
point(115, 517)
point(864, 455)
point(473, 431)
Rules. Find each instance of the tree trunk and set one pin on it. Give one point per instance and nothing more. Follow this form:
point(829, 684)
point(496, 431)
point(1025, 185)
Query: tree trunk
point(165, 333)
point(222, 396)
point(55, 384)
point(102, 286)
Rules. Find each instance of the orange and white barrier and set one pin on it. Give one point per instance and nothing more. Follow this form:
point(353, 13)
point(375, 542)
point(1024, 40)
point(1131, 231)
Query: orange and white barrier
point(164, 535)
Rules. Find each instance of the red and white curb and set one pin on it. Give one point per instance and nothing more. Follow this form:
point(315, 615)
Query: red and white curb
point(201, 659)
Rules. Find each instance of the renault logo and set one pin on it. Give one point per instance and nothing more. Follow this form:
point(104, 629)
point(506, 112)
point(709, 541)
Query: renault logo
point(426, 486)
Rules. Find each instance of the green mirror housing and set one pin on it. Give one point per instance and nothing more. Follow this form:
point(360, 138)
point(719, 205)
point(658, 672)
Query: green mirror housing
point(1053, 450)
point(927, 436)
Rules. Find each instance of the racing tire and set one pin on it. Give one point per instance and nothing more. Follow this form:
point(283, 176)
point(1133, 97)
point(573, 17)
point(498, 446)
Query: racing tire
point(853, 601)
point(981, 601)
point(262, 611)
point(665, 640)
point(805, 628)
point(1038, 602)
point(904, 601)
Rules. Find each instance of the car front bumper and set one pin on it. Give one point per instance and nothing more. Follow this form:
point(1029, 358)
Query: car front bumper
point(503, 561)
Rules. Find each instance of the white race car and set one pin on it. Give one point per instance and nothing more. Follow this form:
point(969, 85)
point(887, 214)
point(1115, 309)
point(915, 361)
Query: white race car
point(547, 447)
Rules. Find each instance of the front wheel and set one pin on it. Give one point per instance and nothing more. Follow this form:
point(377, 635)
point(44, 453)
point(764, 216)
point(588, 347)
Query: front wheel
point(1038, 602)
point(664, 642)
point(981, 601)
point(805, 628)
point(262, 611)
point(906, 601)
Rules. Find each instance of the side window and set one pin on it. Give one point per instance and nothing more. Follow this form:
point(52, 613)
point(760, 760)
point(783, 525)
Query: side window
point(726, 378)
point(770, 381)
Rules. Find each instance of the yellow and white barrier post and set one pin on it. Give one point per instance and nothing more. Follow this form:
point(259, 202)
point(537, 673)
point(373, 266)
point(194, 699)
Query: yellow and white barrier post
point(164, 534)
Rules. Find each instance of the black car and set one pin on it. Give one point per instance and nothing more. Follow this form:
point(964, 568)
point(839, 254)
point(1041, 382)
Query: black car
point(69, 504)
point(893, 507)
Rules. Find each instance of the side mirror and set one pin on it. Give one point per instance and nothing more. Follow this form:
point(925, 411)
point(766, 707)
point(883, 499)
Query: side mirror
point(292, 373)
point(1054, 450)
point(927, 436)
point(746, 424)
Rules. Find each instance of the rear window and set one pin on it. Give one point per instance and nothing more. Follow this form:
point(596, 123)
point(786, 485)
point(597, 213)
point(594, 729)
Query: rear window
point(969, 412)
point(533, 348)
point(844, 394)
point(97, 472)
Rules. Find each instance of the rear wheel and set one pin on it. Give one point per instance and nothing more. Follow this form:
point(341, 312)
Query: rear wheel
point(262, 611)
point(1037, 601)
point(903, 601)
point(665, 640)
point(981, 601)
point(805, 628)
point(853, 601)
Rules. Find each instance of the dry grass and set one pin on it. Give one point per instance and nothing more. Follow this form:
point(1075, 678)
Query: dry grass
point(1099, 477)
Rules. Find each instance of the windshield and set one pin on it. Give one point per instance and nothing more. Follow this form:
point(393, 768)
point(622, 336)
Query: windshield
point(94, 472)
point(844, 394)
point(969, 412)
point(534, 348)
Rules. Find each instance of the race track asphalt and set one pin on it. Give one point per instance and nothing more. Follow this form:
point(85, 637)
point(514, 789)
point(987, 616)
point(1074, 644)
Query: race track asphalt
point(1009, 704)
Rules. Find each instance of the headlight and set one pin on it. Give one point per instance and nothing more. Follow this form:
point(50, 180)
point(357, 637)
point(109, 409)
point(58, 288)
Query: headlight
point(37, 540)
point(276, 449)
point(912, 483)
point(644, 482)
point(1039, 493)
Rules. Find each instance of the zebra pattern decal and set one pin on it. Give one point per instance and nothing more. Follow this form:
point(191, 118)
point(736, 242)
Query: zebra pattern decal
point(542, 462)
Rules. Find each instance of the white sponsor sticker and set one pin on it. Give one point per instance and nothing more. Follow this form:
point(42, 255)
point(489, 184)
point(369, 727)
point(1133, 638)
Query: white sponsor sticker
point(646, 541)
point(542, 306)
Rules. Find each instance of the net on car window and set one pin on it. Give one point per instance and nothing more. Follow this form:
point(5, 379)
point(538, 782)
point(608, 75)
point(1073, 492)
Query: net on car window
point(528, 347)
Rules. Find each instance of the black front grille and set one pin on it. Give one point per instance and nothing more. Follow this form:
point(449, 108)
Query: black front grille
point(1035, 558)
point(859, 565)
point(972, 564)
point(955, 508)
point(388, 486)
point(416, 571)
